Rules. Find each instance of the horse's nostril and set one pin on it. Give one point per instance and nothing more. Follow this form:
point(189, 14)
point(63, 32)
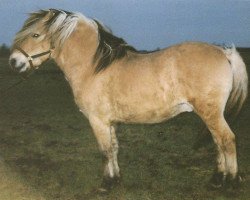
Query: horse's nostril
point(13, 62)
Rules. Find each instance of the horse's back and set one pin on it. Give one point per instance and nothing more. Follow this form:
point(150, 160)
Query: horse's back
point(187, 70)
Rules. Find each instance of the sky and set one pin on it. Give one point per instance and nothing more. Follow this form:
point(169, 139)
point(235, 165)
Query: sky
point(147, 24)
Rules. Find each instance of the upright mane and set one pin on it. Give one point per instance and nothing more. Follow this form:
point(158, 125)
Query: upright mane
point(110, 48)
point(57, 25)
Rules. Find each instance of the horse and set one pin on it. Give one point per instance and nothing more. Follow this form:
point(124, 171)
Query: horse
point(112, 82)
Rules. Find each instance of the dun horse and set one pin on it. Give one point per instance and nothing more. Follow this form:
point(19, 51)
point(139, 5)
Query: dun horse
point(113, 82)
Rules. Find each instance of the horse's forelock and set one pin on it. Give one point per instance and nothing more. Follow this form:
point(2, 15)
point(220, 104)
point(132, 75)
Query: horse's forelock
point(58, 26)
point(28, 26)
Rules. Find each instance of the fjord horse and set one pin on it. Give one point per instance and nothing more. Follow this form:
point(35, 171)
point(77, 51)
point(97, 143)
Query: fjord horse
point(113, 82)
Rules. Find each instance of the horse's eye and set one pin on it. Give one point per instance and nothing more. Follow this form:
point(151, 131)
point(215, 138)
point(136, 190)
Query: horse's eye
point(35, 35)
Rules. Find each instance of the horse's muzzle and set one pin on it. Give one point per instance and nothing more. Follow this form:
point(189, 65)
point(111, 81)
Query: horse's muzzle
point(17, 66)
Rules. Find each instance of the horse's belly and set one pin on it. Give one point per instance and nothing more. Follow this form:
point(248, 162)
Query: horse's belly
point(155, 115)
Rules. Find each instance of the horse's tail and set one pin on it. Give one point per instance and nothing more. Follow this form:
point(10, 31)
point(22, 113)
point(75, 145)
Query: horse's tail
point(239, 91)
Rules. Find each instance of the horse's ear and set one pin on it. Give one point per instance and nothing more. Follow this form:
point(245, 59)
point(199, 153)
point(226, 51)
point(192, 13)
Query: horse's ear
point(49, 15)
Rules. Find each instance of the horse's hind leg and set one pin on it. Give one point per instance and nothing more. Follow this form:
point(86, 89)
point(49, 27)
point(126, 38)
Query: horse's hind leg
point(108, 144)
point(224, 138)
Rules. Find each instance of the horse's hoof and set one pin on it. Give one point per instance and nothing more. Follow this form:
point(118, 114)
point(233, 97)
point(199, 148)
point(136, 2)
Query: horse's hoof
point(233, 183)
point(225, 182)
point(109, 183)
point(217, 180)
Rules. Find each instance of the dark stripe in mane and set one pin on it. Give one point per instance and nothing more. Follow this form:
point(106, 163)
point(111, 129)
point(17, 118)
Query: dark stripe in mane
point(110, 48)
point(56, 13)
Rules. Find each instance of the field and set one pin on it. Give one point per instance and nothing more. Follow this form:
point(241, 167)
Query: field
point(47, 149)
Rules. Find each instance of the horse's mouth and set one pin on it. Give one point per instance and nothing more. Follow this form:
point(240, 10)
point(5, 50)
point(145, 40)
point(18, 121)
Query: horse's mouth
point(22, 67)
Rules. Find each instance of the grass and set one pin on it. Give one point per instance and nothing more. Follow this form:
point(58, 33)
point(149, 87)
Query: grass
point(48, 151)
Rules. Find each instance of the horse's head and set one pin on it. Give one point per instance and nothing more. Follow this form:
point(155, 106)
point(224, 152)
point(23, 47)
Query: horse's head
point(41, 33)
point(30, 42)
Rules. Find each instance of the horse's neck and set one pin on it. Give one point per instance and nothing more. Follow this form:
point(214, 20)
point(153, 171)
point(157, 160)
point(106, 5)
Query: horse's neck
point(76, 56)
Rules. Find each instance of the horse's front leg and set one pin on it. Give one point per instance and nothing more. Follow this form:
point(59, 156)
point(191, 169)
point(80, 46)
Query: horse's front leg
point(108, 144)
